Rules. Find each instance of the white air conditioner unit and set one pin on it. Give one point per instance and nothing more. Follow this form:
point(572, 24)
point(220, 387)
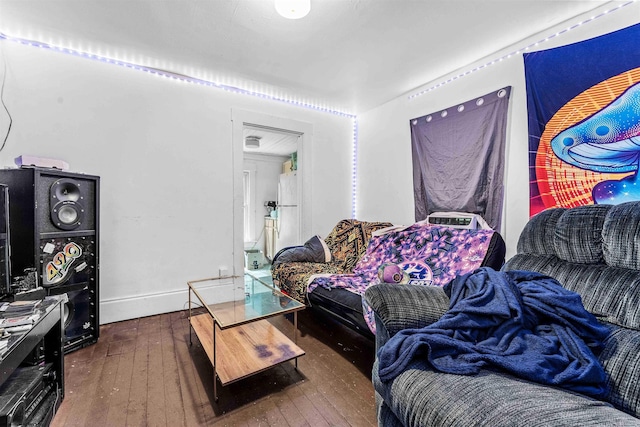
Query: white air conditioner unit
point(457, 220)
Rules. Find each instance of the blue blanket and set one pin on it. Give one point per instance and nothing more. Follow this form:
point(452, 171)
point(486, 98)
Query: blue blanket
point(519, 322)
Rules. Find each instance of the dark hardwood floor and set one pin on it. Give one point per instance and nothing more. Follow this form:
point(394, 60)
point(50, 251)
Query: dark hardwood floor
point(143, 372)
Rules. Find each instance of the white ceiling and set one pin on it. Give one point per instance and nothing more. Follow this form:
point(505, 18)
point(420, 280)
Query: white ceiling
point(346, 55)
point(272, 142)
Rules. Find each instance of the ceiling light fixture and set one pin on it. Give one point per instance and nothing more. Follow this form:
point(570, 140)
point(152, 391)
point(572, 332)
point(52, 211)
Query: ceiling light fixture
point(252, 141)
point(293, 9)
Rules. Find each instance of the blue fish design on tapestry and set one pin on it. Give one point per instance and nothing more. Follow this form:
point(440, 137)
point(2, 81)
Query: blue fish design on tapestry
point(607, 141)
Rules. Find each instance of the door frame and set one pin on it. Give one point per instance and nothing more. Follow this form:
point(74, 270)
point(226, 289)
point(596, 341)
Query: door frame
point(240, 118)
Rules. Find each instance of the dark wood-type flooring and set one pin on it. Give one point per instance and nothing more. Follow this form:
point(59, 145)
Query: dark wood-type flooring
point(143, 372)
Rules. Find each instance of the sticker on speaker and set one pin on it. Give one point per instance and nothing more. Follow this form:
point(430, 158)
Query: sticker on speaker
point(56, 270)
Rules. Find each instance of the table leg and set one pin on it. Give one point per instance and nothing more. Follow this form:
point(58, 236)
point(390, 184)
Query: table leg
point(295, 327)
point(190, 342)
point(295, 333)
point(215, 365)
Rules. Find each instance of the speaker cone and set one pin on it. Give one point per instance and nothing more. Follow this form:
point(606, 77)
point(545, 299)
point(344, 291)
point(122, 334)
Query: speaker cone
point(65, 189)
point(68, 310)
point(67, 215)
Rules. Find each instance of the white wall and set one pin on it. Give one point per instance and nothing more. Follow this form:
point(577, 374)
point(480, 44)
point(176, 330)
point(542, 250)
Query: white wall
point(385, 187)
point(165, 155)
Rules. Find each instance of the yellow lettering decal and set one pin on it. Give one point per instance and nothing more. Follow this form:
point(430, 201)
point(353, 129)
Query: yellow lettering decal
point(58, 267)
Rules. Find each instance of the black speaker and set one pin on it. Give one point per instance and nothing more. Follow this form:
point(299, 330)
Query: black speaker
point(54, 227)
point(5, 266)
point(77, 311)
point(67, 210)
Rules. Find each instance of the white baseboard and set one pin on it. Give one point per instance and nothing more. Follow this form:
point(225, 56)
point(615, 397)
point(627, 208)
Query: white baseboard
point(119, 309)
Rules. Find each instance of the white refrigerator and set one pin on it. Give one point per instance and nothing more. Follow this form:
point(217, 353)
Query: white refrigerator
point(288, 222)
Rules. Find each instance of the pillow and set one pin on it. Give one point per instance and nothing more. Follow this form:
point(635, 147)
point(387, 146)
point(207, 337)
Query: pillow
point(314, 250)
point(392, 273)
point(408, 272)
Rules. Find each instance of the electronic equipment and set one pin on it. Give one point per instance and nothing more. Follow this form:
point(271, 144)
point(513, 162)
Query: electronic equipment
point(26, 282)
point(457, 220)
point(43, 162)
point(29, 397)
point(54, 228)
point(26, 288)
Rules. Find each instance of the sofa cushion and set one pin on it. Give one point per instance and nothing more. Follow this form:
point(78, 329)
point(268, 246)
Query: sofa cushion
point(393, 313)
point(422, 397)
point(611, 294)
point(619, 358)
point(621, 236)
point(573, 235)
point(348, 241)
point(609, 284)
point(578, 234)
point(341, 304)
point(538, 236)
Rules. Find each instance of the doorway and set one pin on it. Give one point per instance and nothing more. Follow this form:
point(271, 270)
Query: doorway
point(248, 123)
point(271, 211)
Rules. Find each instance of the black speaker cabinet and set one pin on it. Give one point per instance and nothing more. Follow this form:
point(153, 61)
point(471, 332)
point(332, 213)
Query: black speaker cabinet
point(54, 227)
point(5, 266)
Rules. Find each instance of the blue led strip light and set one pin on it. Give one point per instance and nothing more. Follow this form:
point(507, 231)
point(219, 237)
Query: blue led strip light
point(519, 51)
point(202, 82)
point(354, 170)
point(171, 75)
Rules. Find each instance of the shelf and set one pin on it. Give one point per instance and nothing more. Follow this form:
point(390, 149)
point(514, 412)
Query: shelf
point(244, 350)
point(49, 326)
point(38, 395)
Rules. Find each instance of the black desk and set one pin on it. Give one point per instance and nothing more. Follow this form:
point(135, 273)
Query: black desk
point(48, 331)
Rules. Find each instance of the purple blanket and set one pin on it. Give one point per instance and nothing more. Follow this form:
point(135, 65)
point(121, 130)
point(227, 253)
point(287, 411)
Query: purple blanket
point(429, 254)
point(520, 322)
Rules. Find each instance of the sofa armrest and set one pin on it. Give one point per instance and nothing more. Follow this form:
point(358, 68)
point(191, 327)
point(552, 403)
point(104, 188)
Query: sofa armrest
point(292, 277)
point(399, 307)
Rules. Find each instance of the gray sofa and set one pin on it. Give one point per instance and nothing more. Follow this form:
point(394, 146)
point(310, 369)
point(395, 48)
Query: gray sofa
point(592, 250)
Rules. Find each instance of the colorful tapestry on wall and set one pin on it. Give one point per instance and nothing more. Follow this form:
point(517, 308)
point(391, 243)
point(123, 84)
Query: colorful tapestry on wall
point(583, 103)
point(458, 158)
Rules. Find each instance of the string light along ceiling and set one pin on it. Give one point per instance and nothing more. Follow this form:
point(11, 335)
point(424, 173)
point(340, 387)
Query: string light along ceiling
point(187, 79)
point(519, 51)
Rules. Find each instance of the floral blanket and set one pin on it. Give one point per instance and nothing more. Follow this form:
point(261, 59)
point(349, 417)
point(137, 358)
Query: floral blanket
point(430, 255)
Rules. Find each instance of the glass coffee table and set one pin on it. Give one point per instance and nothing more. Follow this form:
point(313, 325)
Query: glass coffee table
point(236, 335)
point(262, 275)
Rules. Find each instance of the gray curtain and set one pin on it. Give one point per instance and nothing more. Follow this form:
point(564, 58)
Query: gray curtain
point(458, 158)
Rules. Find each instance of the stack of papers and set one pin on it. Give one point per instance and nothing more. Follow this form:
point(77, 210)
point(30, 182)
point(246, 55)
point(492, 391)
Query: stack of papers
point(18, 316)
point(11, 322)
point(18, 308)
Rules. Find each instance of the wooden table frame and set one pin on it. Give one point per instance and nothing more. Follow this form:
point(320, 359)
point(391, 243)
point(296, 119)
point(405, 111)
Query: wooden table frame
point(255, 343)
